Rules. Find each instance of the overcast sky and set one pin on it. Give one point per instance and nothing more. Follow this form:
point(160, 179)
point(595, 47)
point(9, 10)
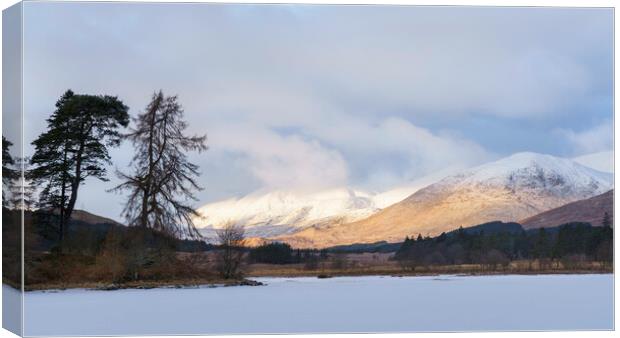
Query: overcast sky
point(299, 96)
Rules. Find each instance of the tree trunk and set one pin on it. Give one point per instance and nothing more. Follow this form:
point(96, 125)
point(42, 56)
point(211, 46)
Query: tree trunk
point(148, 179)
point(144, 214)
point(63, 195)
point(75, 184)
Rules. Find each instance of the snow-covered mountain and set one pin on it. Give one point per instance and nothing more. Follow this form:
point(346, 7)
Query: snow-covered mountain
point(270, 214)
point(532, 173)
point(281, 212)
point(384, 199)
point(601, 161)
point(509, 189)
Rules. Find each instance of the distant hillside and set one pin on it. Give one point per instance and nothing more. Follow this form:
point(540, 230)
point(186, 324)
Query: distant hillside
point(87, 217)
point(591, 210)
point(510, 189)
point(486, 229)
point(44, 236)
point(491, 228)
point(383, 246)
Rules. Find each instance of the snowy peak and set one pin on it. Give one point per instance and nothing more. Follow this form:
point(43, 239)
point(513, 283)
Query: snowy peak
point(508, 190)
point(280, 212)
point(528, 171)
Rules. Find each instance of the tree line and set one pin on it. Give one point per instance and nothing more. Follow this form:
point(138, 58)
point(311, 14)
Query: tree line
point(566, 244)
point(283, 253)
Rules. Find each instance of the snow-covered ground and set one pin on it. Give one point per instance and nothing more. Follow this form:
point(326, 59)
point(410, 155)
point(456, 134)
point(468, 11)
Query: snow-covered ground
point(347, 304)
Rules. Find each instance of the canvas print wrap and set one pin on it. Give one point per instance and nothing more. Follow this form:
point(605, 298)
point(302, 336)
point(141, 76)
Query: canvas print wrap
point(191, 168)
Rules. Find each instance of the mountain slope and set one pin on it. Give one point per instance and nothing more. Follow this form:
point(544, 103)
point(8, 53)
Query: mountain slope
point(270, 214)
point(510, 189)
point(87, 217)
point(281, 212)
point(591, 210)
point(601, 161)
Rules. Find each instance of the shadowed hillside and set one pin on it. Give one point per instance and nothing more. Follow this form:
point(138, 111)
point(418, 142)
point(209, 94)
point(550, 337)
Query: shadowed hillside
point(591, 210)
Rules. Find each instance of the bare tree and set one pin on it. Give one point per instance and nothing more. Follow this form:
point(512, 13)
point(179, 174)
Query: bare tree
point(230, 256)
point(163, 179)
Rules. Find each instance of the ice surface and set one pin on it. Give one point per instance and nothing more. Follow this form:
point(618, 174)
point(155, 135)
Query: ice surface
point(347, 304)
point(11, 309)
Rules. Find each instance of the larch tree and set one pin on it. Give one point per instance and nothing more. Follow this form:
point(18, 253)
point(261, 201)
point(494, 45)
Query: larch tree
point(73, 148)
point(162, 183)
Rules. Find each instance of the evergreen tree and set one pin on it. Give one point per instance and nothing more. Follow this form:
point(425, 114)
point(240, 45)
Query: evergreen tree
point(163, 179)
point(272, 253)
point(606, 220)
point(74, 147)
point(542, 245)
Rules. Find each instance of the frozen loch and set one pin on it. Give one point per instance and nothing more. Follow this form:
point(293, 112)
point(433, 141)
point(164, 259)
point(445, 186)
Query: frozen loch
point(347, 304)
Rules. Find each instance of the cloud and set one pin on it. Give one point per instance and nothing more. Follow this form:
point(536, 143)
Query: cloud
point(282, 162)
point(505, 62)
point(310, 95)
point(595, 139)
point(321, 155)
point(394, 150)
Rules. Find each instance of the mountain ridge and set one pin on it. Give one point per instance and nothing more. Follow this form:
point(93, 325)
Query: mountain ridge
point(508, 190)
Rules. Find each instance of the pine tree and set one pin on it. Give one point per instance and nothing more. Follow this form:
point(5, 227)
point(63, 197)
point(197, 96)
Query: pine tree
point(606, 220)
point(163, 179)
point(541, 245)
point(74, 147)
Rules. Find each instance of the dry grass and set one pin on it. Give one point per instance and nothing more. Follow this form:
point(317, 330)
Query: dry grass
point(50, 271)
point(184, 269)
point(379, 264)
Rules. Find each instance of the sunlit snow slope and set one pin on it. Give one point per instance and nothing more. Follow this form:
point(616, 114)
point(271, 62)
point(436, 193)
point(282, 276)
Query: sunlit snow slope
point(510, 189)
